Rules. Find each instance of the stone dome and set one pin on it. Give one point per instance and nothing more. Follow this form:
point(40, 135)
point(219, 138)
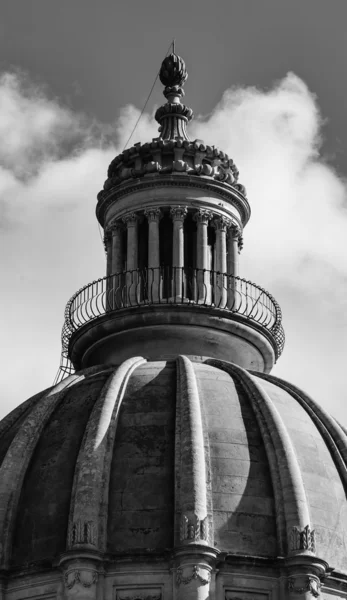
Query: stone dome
point(138, 459)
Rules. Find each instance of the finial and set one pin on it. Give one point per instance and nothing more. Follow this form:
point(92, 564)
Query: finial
point(173, 74)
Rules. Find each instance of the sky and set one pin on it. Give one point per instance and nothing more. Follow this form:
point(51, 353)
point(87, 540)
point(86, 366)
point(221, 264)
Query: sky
point(267, 85)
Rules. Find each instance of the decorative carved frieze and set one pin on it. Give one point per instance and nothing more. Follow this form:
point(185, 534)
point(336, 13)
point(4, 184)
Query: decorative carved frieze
point(178, 213)
point(194, 529)
point(302, 540)
point(304, 583)
point(203, 216)
point(82, 532)
point(222, 223)
point(196, 575)
point(153, 214)
point(86, 578)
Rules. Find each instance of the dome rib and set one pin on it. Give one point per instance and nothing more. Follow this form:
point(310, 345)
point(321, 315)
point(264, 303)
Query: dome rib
point(284, 467)
point(329, 429)
point(89, 500)
point(17, 459)
point(190, 464)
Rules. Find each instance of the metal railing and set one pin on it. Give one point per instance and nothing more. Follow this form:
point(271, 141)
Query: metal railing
point(170, 285)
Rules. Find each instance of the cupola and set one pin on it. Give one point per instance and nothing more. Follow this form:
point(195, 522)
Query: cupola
point(173, 212)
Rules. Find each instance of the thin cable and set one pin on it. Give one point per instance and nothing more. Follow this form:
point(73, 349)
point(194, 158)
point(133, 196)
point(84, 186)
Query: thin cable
point(172, 44)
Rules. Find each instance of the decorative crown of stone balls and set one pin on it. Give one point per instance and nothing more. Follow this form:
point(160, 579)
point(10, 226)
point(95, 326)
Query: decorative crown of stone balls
point(173, 73)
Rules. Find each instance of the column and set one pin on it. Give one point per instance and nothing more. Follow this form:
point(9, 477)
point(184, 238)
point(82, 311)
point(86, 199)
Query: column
point(108, 250)
point(118, 282)
point(178, 214)
point(233, 266)
point(221, 224)
point(153, 280)
point(107, 289)
point(131, 288)
point(202, 218)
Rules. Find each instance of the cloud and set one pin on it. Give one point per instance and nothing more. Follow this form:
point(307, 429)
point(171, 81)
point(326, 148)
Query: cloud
point(53, 162)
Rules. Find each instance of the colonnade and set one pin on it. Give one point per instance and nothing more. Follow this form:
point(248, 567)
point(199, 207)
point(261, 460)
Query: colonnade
point(226, 249)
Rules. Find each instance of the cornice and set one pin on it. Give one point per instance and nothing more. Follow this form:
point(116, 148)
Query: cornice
point(225, 191)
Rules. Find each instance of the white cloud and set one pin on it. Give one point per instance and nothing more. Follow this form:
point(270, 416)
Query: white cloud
point(52, 164)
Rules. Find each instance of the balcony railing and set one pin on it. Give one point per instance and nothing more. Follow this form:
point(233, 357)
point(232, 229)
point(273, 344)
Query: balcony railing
point(170, 285)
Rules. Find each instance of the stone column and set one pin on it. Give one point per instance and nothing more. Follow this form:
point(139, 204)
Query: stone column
point(221, 225)
point(132, 292)
point(202, 218)
point(108, 283)
point(153, 215)
point(108, 250)
point(233, 266)
point(117, 229)
point(178, 214)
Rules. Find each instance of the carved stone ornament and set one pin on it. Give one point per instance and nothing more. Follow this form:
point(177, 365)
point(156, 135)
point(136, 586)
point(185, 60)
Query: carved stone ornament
point(173, 71)
point(222, 223)
point(302, 540)
point(203, 216)
point(81, 532)
point(306, 583)
point(195, 576)
point(178, 213)
point(153, 214)
point(194, 529)
point(115, 227)
point(131, 219)
point(85, 578)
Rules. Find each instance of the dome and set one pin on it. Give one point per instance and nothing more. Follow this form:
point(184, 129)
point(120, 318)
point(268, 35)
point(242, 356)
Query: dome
point(136, 459)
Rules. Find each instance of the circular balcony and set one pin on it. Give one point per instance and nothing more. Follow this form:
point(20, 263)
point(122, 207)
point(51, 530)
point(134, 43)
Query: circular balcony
point(167, 291)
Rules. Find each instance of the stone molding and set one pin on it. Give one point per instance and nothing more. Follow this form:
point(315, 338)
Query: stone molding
point(301, 584)
point(197, 573)
point(302, 539)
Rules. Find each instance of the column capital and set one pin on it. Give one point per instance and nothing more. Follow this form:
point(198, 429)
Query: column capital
point(130, 219)
point(178, 213)
point(221, 223)
point(115, 227)
point(203, 216)
point(153, 214)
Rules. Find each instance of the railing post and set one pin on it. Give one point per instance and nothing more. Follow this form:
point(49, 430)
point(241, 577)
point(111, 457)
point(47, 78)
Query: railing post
point(131, 220)
point(178, 214)
point(202, 218)
point(153, 279)
point(221, 224)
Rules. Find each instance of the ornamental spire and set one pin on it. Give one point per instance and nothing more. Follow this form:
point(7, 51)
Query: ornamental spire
point(173, 116)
